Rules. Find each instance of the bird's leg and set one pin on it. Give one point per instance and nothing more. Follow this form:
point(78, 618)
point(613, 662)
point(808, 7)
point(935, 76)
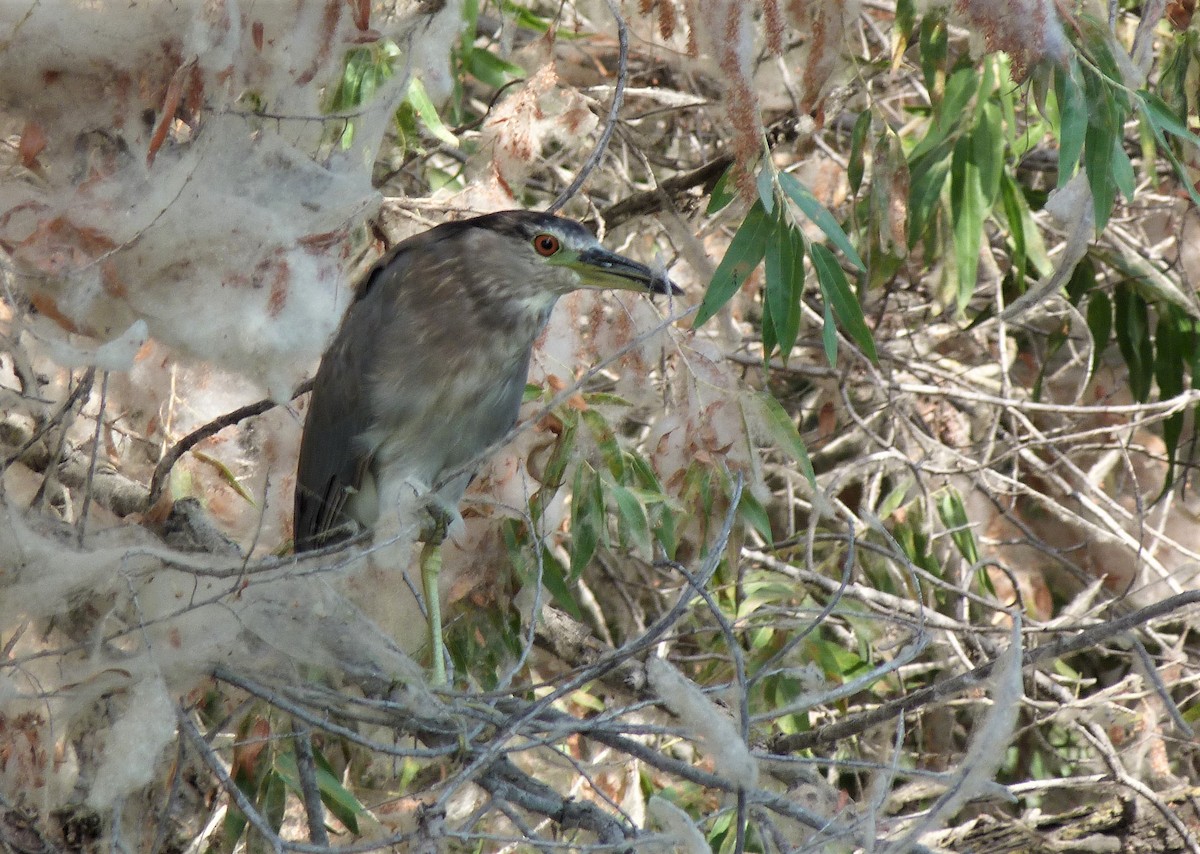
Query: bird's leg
point(431, 566)
point(433, 535)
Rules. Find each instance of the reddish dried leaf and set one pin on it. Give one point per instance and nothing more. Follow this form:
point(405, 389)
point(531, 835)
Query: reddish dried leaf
point(360, 10)
point(33, 142)
point(170, 106)
point(322, 242)
point(111, 280)
point(256, 34)
point(45, 305)
point(279, 288)
point(333, 11)
point(827, 420)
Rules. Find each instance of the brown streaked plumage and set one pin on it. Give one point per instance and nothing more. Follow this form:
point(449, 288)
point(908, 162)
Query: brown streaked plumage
point(429, 366)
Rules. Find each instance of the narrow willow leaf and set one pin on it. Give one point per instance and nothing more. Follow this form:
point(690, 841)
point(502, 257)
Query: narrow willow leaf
point(336, 797)
point(950, 113)
point(554, 577)
point(753, 512)
point(841, 298)
point(1132, 329)
point(226, 474)
point(721, 193)
point(858, 144)
point(745, 252)
point(1104, 130)
point(1011, 204)
point(1016, 211)
point(1072, 122)
point(954, 516)
point(784, 285)
point(967, 213)
point(783, 431)
point(766, 187)
point(563, 452)
point(606, 442)
point(927, 177)
point(1169, 347)
point(1163, 120)
point(829, 336)
point(489, 68)
point(419, 98)
point(631, 519)
point(1100, 323)
point(1122, 170)
point(820, 216)
point(987, 149)
point(587, 517)
point(933, 47)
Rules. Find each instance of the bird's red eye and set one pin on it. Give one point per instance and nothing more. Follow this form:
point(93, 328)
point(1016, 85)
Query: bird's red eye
point(546, 244)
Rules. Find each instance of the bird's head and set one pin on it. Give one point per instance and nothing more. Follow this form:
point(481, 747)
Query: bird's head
point(561, 255)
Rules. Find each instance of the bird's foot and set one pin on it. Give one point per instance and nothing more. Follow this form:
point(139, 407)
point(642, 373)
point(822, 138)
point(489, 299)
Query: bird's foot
point(436, 519)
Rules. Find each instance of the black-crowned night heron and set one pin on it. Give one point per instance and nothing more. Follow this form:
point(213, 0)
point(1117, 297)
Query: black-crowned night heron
point(428, 369)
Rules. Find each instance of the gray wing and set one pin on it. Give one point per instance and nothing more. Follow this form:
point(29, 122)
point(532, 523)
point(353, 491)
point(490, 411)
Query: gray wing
point(334, 463)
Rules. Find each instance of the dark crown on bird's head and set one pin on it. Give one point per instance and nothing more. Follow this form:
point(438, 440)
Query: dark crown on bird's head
point(522, 225)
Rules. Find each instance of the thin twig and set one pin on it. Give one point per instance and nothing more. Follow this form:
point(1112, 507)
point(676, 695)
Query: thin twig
point(210, 758)
point(614, 111)
point(163, 469)
point(306, 770)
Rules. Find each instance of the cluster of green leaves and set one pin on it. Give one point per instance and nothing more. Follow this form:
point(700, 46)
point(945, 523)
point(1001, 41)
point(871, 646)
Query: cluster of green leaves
point(769, 234)
point(961, 171)
point(365, 69)
point(1154, 325)
point(264, 769)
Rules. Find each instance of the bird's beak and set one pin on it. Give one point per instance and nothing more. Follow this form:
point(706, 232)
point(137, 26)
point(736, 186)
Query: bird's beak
point(599, 268)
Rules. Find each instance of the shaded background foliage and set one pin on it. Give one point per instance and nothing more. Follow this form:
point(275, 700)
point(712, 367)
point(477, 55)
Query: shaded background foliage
point(903, 483)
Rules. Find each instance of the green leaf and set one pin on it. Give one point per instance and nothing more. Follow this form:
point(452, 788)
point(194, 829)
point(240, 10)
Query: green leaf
point(1100, 323)
point(894, 499)
point(766, 187)
point(427, 112)
point(587, 517)
point(858, 144)
point(837, 293)
point(784, 286)
point(967, 212)
point(1169, 347)
point(1072, 121)
point(563, 452)
point(1023, 231)
point(606, 442)
point(1161, 119)
point(754, 513)
point(1104, 130)
point(829, 336)
point(745, 252)
point(820, 216)
point(632, 524)
point(954, 516)
point(933, 47)
point(987, 152)
point(273, 799)
point(784, 433)
point(927, 177)
point(1122, 171)
point(950, 113)
point(554, 576)
point(1133, 338)
point(490, 69)
point(722, 195)
point(339, 800)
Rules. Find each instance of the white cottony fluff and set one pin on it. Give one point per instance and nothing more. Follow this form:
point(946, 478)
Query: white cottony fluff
point(709, 725)
point(135, 743)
